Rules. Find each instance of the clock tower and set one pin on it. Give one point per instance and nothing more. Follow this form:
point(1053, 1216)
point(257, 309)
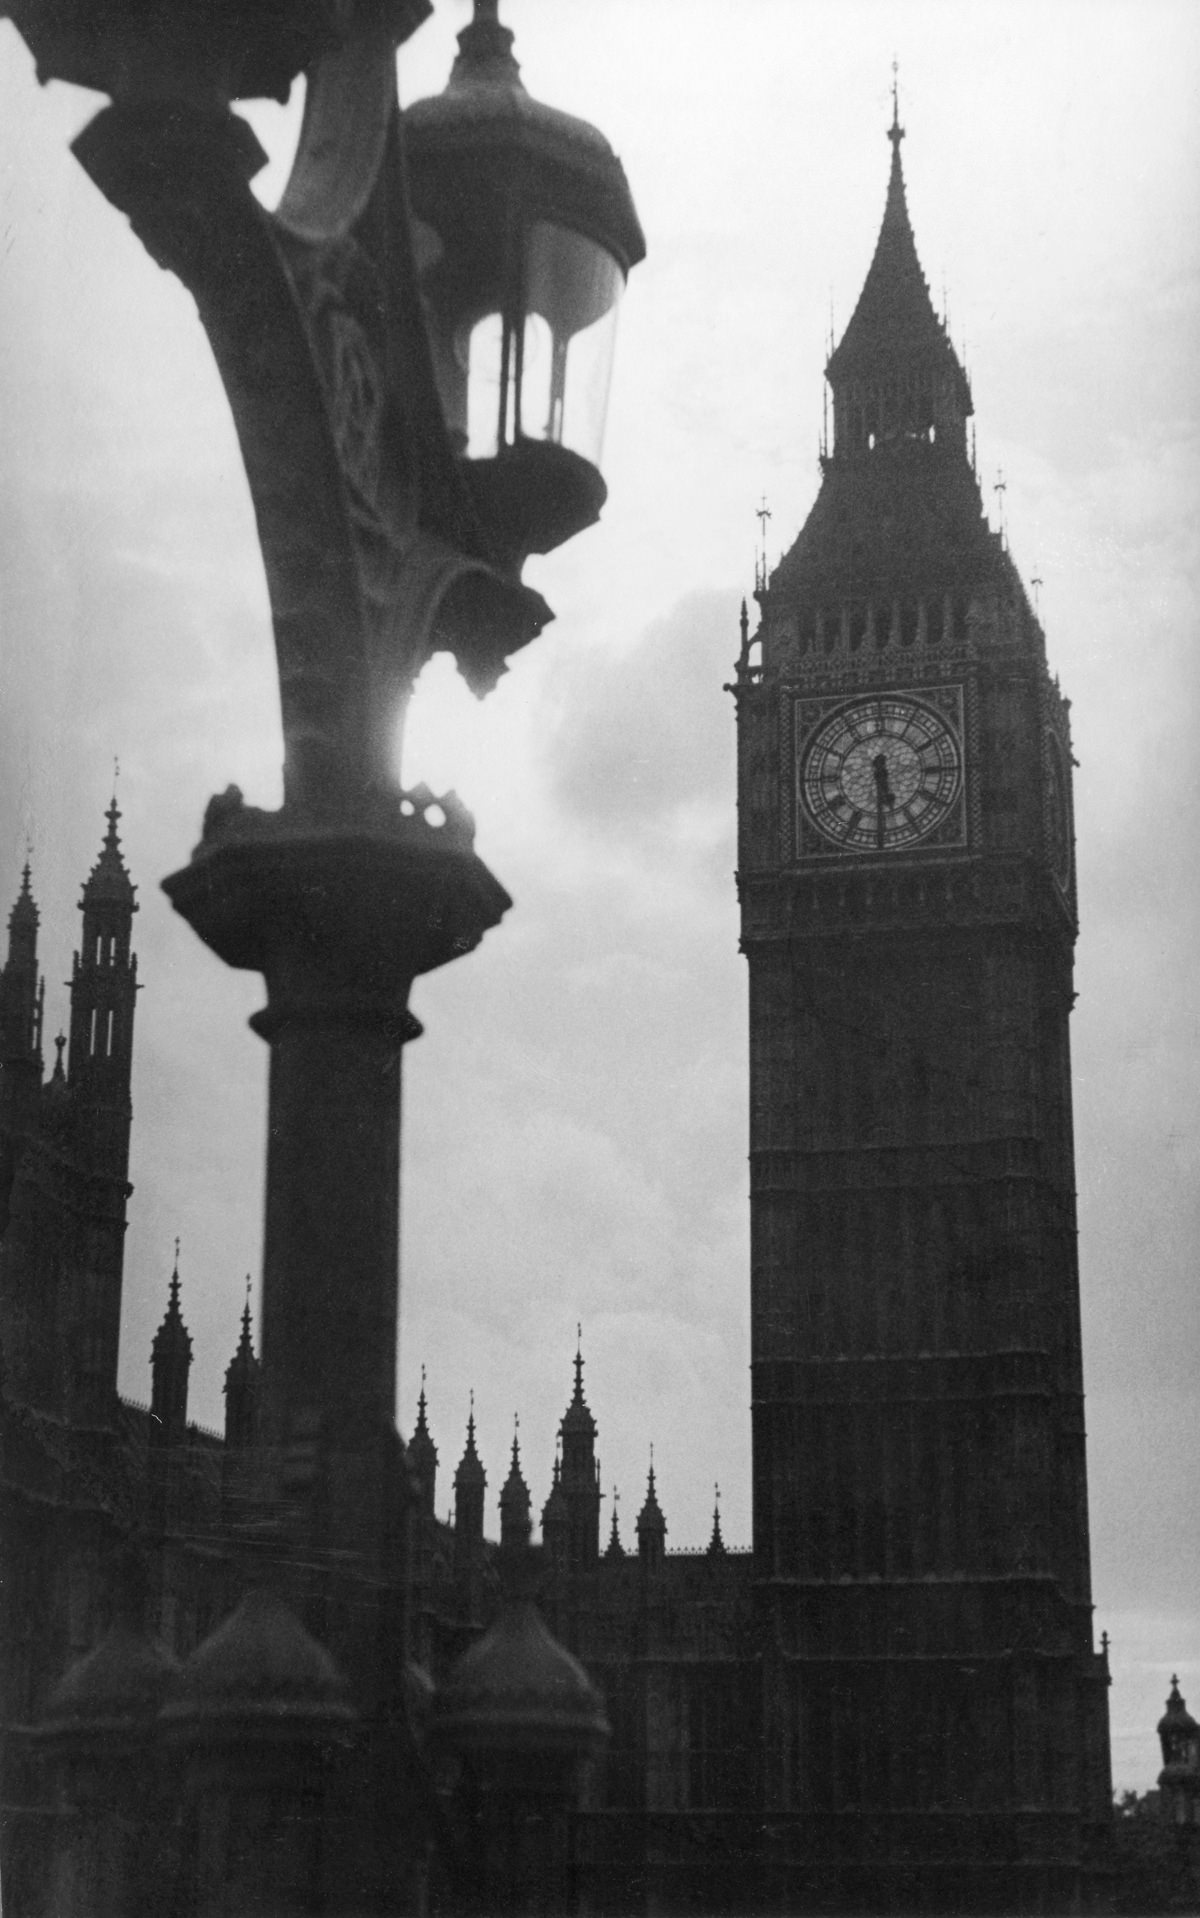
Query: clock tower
point(936, 1718)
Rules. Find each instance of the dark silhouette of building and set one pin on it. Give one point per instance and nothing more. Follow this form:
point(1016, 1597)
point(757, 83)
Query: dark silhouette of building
point(892, 1702)
point(937, 1718)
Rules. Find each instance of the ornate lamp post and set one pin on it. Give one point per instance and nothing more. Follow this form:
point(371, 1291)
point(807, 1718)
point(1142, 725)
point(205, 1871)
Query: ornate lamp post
point(418, 404)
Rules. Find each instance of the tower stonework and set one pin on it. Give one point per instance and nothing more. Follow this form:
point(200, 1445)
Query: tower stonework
point(935, 1719)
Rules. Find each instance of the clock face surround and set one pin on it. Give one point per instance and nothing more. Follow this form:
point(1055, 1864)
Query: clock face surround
point(881, 773)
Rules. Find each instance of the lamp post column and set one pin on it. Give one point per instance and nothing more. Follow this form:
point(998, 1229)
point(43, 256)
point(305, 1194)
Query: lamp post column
point(340, 920)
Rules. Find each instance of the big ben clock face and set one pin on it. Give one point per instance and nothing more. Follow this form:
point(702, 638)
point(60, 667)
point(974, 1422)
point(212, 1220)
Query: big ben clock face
point(883, 774)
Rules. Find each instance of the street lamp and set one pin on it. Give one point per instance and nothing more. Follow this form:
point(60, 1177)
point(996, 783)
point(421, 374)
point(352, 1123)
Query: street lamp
point(419, 403)
point(525, 232)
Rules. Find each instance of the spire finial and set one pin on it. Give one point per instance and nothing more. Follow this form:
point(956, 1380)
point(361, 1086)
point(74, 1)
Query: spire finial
point(421, 1394)
point(579, 1363)
point(175, 1274)
point(895, 131)
point(112, 815)
point(762, 514)
point(1000, 488)
point(60, 1040)
point(246, 1307)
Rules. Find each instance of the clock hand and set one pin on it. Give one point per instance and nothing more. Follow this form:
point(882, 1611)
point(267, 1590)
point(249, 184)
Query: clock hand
point(884, 796)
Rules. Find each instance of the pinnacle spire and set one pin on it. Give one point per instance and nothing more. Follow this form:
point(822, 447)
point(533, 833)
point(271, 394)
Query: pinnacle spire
point(170, 1360)
point(615, 1548)
point(24, 910)
point(716, 1544)
point(470, 1466)
point(895, 131)
point(245, 1343)
point(894, 320)
point(578, 1419)
point(109, 877)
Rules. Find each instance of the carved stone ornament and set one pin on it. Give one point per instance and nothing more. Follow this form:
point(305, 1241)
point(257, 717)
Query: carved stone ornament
point(375, 554)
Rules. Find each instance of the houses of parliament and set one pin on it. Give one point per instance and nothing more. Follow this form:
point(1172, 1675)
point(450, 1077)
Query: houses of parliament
point(892, 1701)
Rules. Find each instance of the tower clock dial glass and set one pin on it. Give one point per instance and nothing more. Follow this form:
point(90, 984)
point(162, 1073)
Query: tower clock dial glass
point(880, 774)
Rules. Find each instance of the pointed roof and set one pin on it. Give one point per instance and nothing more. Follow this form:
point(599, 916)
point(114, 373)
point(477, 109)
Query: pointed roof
point(716, 1544)
point(421, 1449)
point(109, 880)
point(243, 1360)
point(554, 1511)
point(614, 1549)
point(578, 1417)
point(894, 319)
point(172, 1338)
point(24, 917)
point(470, 1466)
point(514, 1490)
point(1177, 1717)
point(650, 1518)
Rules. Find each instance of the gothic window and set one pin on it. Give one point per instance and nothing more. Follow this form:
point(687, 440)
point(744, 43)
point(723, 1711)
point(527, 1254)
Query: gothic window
point(935, 613)
point(910, 614)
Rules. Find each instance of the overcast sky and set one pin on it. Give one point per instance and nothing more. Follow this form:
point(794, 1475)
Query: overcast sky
point(575, 1125)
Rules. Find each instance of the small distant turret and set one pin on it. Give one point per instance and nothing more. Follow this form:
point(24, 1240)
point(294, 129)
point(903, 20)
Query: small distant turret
point(1179, 1779)
point(515, 1506)
point(242, 1378)
point(103, 1000)
point(22, 991)
point(614, 1551)
point(423, 1456)
point(580, 1476)
point(170, 1363)
point(470, 1482)
point(555, 1522)
point(22, 999)
point(716, 1544)
point(651, 1528)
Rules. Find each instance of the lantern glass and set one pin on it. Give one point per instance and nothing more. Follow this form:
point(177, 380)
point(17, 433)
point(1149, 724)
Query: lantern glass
point(572, 287)
point(534, 365)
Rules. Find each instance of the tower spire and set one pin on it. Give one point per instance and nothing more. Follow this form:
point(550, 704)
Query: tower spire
point(895, 376)
point(170, 1363)
point(423, 1454)
point(895, 131)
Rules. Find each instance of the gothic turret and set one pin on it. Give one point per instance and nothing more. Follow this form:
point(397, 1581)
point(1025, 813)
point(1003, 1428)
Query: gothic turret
point(716, 1544)
point(515, 1521)
point(423, 1456)
point(580, 1477)
point(555, 1523)
point(470, 1482)
point(21, 991)
point(242, 1378)
point(103, 998)
point(1179, 1779)
point(651, 1528)
point(22, 996)
point(614, 1551)
point(170, 1362)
